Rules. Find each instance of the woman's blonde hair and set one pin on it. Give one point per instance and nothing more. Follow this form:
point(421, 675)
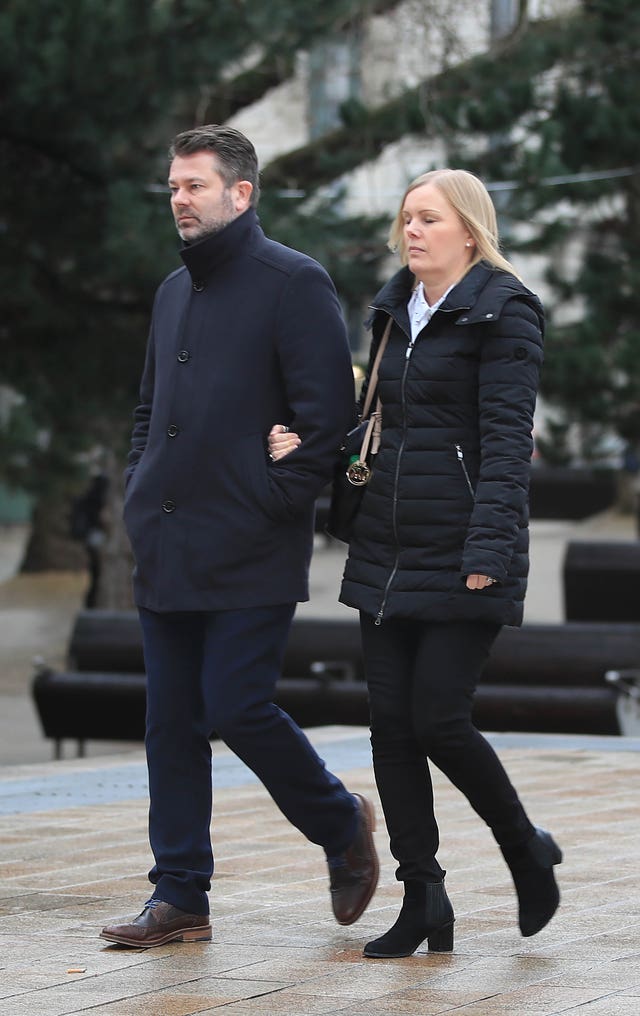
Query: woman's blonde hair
point(469, 197)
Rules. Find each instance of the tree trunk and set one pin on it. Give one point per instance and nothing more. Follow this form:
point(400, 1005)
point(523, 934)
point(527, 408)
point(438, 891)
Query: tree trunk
point(50, 546)
point(114, 589)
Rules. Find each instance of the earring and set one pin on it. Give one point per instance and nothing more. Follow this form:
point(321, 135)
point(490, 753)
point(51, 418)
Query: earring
point(468, 243)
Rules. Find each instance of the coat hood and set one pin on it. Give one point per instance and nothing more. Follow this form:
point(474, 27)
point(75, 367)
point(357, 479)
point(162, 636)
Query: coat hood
point(483, 292)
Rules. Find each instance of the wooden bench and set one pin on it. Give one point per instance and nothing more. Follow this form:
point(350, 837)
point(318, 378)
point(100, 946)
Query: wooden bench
point(541, 677)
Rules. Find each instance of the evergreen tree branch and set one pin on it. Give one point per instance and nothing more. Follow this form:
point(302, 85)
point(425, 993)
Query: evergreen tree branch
point(459, 98)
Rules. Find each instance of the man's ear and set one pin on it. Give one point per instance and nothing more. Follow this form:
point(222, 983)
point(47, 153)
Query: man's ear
point(242, 191)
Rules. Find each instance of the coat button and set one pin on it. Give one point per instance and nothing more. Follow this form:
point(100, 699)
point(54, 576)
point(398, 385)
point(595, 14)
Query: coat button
point(197, 287)
point(168, 506)
point(173, 431)
point(488, 315)
point(464, 319)
point(183, 355)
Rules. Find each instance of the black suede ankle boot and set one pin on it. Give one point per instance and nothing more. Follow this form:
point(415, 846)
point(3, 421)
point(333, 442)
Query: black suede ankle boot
point(426, 913)
point(531, 864)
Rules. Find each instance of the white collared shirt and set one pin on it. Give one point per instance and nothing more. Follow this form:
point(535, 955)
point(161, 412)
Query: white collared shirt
point(420, 312)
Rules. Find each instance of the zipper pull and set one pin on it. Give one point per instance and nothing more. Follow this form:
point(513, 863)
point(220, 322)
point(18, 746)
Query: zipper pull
point(409, 349)
point(460, 455)
point(378, 620)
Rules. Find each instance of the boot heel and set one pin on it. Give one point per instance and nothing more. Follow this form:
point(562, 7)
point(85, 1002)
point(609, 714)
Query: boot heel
point(531, 865)
point(442, 939)
point(196, 935)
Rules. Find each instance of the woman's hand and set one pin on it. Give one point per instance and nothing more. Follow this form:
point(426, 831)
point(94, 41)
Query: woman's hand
point(281, 442)
point(479, 581)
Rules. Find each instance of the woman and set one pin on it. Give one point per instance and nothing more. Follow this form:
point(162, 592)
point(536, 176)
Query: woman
point(439, 555)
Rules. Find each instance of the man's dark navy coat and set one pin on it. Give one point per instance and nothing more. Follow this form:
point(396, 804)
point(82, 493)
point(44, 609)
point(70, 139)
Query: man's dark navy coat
point(249, 333)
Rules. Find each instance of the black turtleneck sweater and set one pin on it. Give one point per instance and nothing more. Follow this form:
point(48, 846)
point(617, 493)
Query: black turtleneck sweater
point(247, 334)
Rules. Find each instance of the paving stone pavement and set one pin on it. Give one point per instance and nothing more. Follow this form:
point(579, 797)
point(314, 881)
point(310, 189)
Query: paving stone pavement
point(74, 856)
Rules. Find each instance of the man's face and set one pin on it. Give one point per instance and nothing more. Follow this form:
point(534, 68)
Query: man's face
point(200, 201)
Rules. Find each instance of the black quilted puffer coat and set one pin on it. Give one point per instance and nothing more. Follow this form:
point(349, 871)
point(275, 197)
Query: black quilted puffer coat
point(449, 492)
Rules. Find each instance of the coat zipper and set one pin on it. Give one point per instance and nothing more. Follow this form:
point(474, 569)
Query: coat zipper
point(460, 455)
point(380, 614)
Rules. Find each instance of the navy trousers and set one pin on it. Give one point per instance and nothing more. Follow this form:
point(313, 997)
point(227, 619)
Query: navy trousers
point(217, 672)
point(422, 677)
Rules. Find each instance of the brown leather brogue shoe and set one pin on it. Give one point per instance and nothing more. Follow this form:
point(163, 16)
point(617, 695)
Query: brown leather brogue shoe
point(158, 924)
point(354, 882)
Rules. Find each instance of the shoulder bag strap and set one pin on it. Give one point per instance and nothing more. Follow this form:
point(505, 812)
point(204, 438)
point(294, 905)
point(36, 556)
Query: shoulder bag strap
point(373, 377)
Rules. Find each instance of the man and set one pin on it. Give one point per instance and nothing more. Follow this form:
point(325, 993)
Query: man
point(247, 333)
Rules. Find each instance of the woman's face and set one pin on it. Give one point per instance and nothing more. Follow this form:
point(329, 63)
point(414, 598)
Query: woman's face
point(439, 245)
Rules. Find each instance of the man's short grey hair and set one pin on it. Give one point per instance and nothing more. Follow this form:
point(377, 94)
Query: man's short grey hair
point(237, 159)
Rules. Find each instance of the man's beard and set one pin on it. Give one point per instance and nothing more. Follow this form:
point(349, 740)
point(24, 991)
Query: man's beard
point(211, 225)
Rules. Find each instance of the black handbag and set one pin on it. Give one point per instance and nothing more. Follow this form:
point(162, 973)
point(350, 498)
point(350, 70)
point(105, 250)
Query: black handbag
point(353, 468)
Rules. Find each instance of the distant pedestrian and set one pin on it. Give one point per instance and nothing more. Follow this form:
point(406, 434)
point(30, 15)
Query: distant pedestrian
point(246, 333)
point(87, 524)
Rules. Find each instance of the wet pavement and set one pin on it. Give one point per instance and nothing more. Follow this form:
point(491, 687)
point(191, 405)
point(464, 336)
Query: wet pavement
point(74, 856)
